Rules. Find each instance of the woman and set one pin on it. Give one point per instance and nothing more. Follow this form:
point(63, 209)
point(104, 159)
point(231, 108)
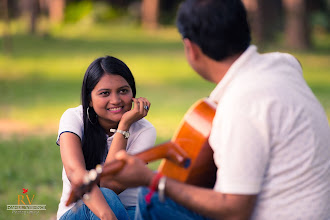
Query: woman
point(110, 119)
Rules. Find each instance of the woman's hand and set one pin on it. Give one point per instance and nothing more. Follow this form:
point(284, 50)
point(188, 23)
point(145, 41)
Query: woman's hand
point(139, 111)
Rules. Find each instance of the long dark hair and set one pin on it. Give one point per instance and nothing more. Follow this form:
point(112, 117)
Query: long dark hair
point(94, 142)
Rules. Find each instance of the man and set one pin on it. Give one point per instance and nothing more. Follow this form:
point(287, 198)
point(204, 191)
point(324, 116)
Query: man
point(270, 135)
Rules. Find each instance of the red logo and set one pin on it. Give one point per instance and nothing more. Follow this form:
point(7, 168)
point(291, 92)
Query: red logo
point(25, 190)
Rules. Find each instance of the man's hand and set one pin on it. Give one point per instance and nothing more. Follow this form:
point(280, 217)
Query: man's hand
point(135, 172)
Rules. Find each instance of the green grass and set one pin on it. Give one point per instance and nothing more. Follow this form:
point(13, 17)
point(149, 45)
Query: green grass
point(42, 76)
point(31, 163)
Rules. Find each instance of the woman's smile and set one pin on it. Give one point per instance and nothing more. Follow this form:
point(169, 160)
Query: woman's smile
point(115, 109)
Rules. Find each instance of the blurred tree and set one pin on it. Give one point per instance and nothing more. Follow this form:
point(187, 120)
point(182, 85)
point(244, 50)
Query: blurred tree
point(120, 3)
point(29, 9)
point(33, 8)
point(6, 31)
point(297, 30)
point(56, 10)
point(254, 9)
point(264, 18)
point(149, 13)
point(167, 11)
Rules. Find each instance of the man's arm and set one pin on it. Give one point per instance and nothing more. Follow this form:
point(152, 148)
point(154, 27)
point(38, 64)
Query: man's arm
point(210, 203)
point(206, 202)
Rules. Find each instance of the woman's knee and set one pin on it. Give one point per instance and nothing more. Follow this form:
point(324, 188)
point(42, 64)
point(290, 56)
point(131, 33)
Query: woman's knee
point(108, 192)
point(111, 197)
point(114, 202)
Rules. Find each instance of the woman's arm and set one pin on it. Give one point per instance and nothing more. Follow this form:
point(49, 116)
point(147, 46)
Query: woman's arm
point(119, 142)
point(136, 113)
point(74, 165)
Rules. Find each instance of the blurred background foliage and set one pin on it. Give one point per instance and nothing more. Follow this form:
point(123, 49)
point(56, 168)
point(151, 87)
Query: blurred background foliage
point(46, 46)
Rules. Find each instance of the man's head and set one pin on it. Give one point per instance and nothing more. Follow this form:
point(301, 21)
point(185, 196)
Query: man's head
point(218, 27)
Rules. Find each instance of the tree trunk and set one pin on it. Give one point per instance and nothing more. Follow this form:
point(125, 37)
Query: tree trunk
point(33, 8)
point(6, 31)
point(56, 10)
point(255, 17)
point(297, 35)
point(272, 13)
point(150, 11)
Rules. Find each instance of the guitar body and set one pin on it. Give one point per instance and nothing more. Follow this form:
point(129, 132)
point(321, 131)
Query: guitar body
point(192, 137)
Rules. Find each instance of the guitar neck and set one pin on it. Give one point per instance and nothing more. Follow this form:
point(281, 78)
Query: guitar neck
point(168, 150)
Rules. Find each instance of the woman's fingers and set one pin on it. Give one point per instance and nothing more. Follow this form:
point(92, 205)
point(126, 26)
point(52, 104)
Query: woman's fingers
point(142, 105)
point(146, 105)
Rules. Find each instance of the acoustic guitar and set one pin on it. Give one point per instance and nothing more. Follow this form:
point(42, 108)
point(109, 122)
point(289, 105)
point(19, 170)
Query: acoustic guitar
point(187, 157)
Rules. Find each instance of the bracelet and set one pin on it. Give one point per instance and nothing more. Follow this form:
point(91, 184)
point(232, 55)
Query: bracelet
point(153, 186)
point(126, 134)
point(161, 189)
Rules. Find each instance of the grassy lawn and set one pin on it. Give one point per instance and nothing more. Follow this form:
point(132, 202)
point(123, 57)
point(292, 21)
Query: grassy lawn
point(42, 78)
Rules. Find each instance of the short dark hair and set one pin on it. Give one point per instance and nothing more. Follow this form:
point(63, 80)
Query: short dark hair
point(94, 144)
point(219, 27)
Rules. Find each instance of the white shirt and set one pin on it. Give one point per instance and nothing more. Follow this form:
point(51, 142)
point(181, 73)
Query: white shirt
point(271, 137)
point(142, 137)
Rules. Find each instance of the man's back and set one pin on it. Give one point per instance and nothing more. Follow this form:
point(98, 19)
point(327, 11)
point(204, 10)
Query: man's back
point(274, 139)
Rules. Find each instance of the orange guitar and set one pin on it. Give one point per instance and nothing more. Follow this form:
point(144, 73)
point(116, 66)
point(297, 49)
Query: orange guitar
point(187, 157)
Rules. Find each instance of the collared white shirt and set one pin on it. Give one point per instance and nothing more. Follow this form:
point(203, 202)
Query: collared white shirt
point(271, 137)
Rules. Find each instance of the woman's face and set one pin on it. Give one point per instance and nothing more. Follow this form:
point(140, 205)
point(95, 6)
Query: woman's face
point(111, 98)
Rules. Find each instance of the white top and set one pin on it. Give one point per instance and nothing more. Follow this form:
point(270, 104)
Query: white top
point(142, 137)
point(271, 137)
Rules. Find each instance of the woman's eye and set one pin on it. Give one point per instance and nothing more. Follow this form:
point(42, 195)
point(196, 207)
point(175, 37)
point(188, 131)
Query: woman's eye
point(104, 93)
point(123, 91)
